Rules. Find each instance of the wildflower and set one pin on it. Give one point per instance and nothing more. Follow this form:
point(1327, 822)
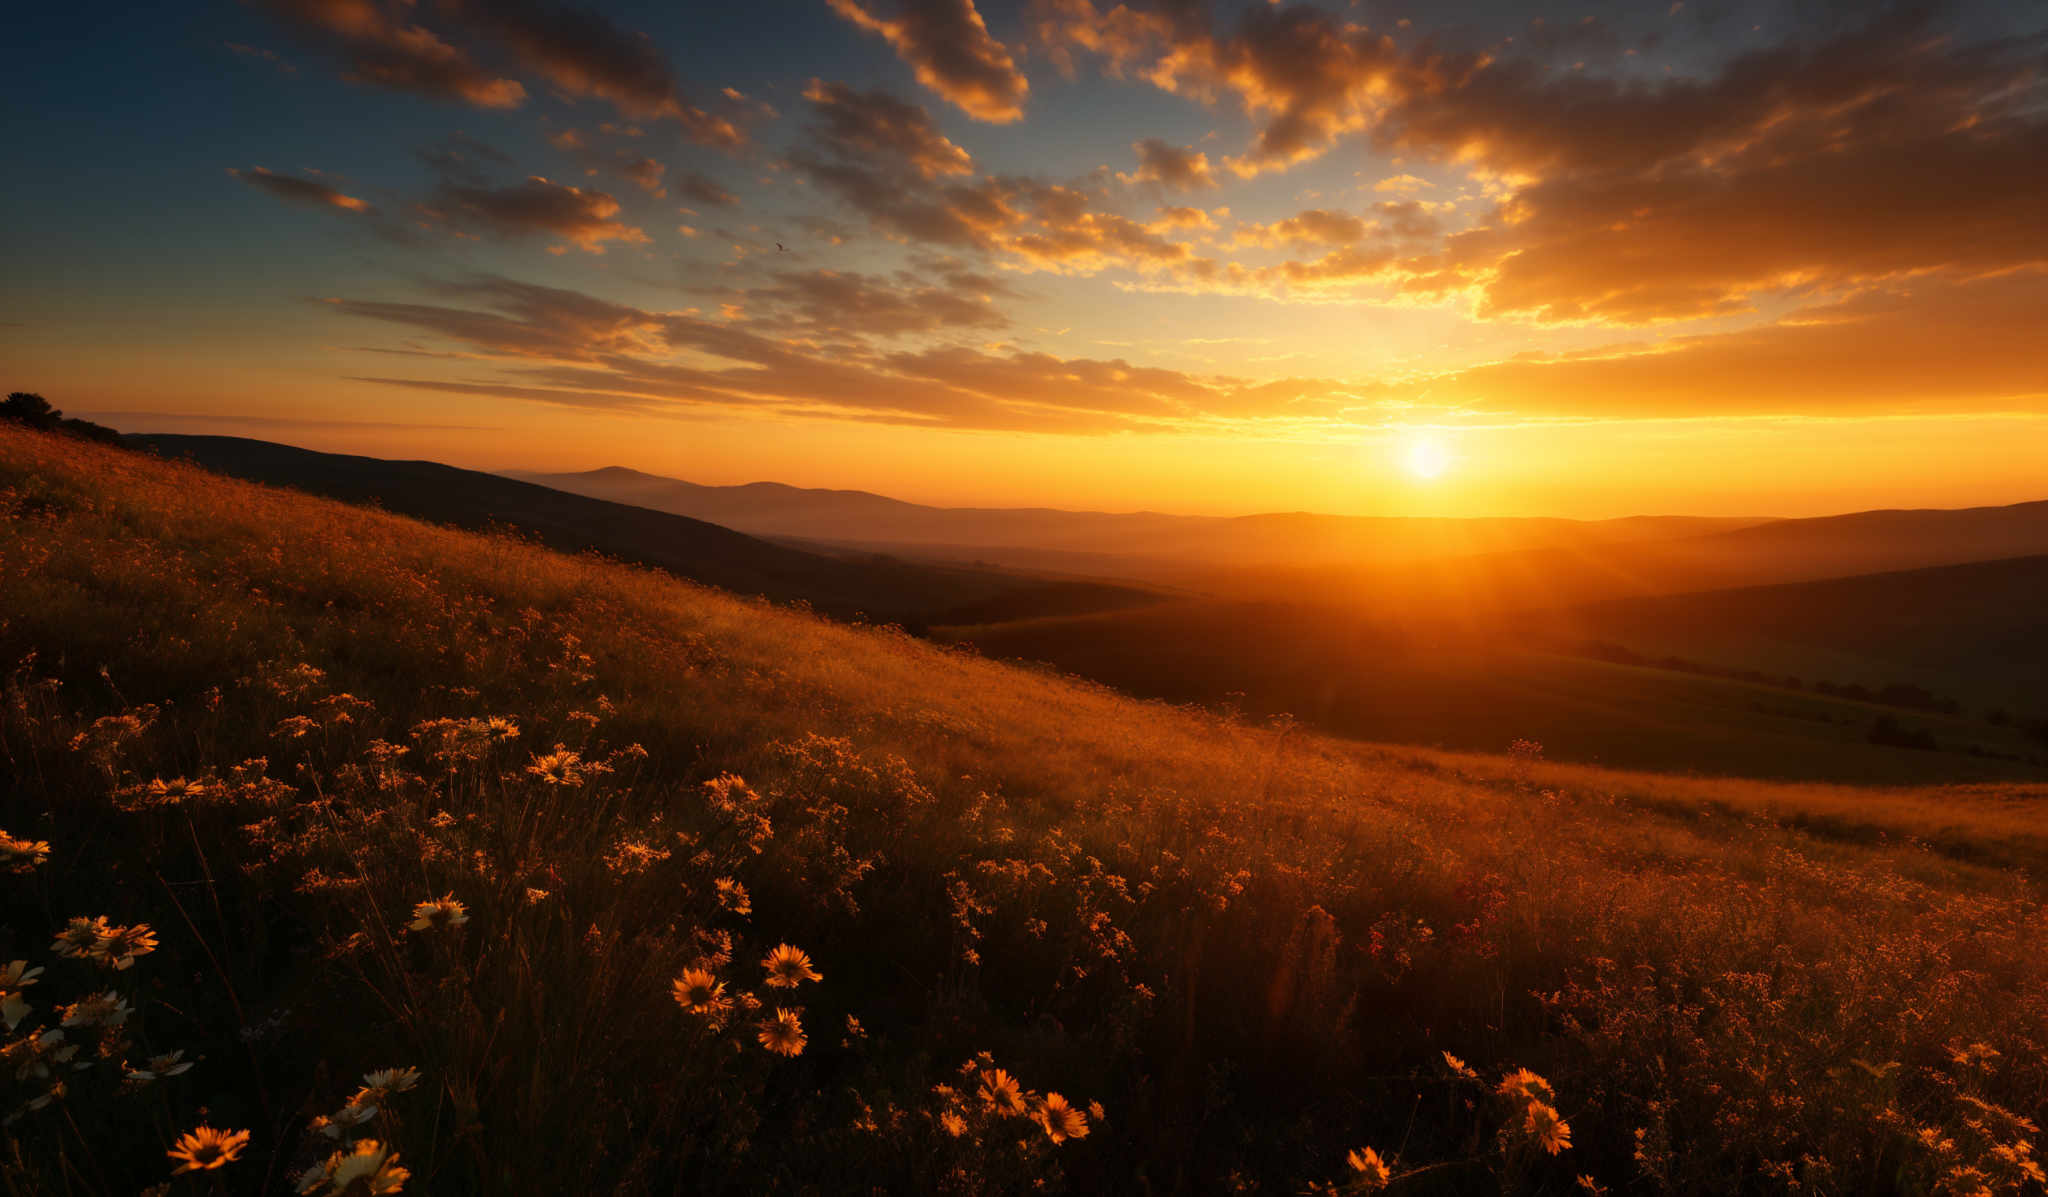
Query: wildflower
point(1060, 1120)
point(119, 946)
point(205, 1148)
point(179, 790)
point(701, 993)
point(783, 1034)
point(392, 1080)
point(1524, 1085)
point(108, 1009)
point(733, 896)
point(953, 1124)
point(14, 978)
point(501, 729)
point(535, 896)
point(1001, 1092)
point(1552, 1133)
point(22, 856)
point(35, 1057)
point(166, 1065)
point(347, 1118)
point(80, 937)
point(1095, 1113)
point(1459, 1068)
point(1373, 1173)
point(562, 767)
point(788, 967)
point(443, 912)
point(368, 1167)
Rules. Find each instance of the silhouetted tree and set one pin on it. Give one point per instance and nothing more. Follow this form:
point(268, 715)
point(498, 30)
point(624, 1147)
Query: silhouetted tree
point(26, 407)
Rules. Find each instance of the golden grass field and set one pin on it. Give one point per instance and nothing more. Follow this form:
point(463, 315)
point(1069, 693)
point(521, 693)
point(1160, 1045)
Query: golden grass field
point(355, 795)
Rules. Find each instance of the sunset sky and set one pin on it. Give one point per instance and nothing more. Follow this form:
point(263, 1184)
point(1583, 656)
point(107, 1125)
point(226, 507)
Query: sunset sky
point(1618, 258)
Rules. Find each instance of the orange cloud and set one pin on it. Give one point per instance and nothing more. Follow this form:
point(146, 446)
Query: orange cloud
point(298, 190)
point(566, 348)
point(949, 47)
point(388, 53)
point(856, 123)
point(1927, 344)
point(536, 207)
point(581, 53)
point(1177, 168)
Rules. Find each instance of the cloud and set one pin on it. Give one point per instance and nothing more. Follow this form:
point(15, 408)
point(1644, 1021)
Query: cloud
point(834, 302)
point(461, 156)
point(563, 347)
point(854, 124)
point(644, 173)
point(521, 320)
point(1316, 226)
point(1935, 343)
point(698, 189)
point(581, 53)
point(583, 217)
point(387, 52)
point(949, 47)
point(1178, 168)
point(299, 191)
point(1829, 163)
point(1307, 77)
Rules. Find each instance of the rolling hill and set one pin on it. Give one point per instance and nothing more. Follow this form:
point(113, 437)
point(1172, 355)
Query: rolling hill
point(623, 884)
point(880, 588)
point(1135, 544)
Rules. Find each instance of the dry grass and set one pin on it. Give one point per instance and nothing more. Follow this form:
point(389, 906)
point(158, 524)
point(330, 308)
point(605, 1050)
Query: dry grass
point(1250, 945)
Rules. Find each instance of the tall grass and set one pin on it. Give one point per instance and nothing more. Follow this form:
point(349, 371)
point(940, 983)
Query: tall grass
point(394, 797)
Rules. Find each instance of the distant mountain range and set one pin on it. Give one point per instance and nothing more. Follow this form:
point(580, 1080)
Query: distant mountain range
point(1049, 537)
point(882, 589)
point(1479, 567)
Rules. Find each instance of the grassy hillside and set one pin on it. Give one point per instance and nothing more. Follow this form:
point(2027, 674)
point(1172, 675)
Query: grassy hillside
point(1977, 631)
point(1481, 685)
point(881, 589)
point(277, 730)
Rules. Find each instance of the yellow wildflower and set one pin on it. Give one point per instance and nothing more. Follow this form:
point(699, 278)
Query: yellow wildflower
point(204, 1149)
point(788, 967)
point(1373, 1173)
point(1061, 1120)
point(441, 912)
point(783, 1034)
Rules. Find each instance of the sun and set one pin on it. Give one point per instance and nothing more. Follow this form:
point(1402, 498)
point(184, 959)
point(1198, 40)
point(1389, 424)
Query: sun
point(1427, 457)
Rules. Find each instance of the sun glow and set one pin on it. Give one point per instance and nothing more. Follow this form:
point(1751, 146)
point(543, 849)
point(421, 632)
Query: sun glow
point(1427, 457)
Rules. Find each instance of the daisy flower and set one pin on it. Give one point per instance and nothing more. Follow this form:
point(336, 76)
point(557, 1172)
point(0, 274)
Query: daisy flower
point(1060, 1120)
point(204, 1149)
point(1001, 1092)
point(441, 912)
point(788, 967)
point(783, 1034)
point(700, 993)
point(80, 937)
point(119, 947)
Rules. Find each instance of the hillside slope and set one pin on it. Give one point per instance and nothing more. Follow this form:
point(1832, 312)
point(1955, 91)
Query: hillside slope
point(390, 795)
point(882, 589)
point(1978, 630)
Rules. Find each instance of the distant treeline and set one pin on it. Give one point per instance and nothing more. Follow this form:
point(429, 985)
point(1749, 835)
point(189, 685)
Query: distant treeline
point(27, 407)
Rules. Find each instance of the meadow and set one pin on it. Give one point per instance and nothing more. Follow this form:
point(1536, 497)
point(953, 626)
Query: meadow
point(347, 854)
